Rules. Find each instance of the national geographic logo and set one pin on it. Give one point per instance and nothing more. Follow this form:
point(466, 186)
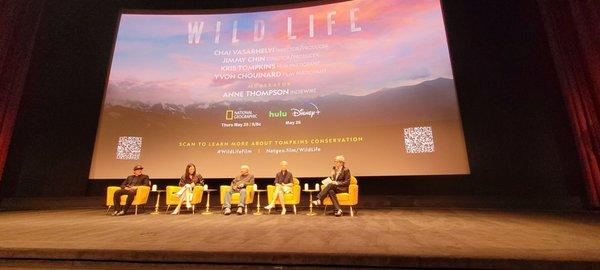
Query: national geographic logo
point(231, 115)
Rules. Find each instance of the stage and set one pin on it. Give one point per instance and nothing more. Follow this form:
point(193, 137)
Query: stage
point(390, 237)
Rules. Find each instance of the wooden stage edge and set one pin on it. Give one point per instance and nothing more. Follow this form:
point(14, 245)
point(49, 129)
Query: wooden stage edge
point(286, 259)
point(387, 238)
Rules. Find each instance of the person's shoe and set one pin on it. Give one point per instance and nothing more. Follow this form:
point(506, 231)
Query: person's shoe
point(175, 212)
point(316, 202)
point(338, 213)
point(120, 213)
point(188, 205)
point(269, 207)
point(115, 212)
point(283, 211)
point(240, 210)
point(227, 211)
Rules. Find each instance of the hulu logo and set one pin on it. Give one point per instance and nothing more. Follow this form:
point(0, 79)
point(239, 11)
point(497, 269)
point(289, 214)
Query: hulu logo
point(279, 114)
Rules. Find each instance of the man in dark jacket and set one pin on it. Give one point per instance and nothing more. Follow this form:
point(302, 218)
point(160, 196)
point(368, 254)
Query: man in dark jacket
point(340, 177)
point(129, 188)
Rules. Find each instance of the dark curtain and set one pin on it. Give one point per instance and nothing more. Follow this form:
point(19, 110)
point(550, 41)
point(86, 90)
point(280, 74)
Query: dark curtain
point(19, 20)
point(573, 30)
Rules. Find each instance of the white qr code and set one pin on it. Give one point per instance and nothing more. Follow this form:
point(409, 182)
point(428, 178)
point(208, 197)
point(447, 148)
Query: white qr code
point(418, 140)
point(129, 148)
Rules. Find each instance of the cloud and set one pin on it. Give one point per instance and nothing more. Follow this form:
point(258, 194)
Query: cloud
point(401, 42)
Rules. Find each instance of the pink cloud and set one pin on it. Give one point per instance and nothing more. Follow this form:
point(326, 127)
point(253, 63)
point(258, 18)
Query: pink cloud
point(401, 42)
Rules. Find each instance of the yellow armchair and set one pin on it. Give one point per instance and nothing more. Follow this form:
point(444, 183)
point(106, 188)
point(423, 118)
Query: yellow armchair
point(141, 197)
point(289, 198)
point(349, 198)
point(172, 199)
point(235, 197)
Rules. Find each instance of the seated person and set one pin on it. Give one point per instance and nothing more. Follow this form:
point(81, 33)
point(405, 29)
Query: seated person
point(283, 184)
point(238, 185)
point(340, 177)
point(129, 188)
point(187, 183)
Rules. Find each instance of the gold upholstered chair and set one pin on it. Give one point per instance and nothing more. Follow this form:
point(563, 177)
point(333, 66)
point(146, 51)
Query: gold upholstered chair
point(292, 198)
point(172, 198)
point(349, 198)
point(235, 197)
point(141, 197)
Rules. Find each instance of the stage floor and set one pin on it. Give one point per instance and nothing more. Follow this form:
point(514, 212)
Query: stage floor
point(419, 238)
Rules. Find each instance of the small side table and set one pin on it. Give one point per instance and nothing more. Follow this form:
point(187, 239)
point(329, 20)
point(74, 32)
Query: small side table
point(207, 211)
point(156, 206)
point(258, 191)
point(310, 205)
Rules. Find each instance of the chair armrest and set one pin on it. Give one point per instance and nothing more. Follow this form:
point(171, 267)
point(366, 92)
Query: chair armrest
point(249, 194)
point(110, 193)
point(270, 190)
point(296, 191)
point(142, 193)
point(353, 192)
point(197, 194)
point(223, 189)
point(170, 197)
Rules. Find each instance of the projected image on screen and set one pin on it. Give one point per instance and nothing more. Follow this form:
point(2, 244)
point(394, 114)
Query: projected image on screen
point(370, 80)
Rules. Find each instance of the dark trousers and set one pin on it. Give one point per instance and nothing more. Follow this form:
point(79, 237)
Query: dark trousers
point(329, 191)
point(117, 199)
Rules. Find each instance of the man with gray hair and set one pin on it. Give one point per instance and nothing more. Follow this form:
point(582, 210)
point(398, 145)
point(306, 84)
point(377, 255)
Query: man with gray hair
point(340, 176)
point(284, 181)
point(238, 184)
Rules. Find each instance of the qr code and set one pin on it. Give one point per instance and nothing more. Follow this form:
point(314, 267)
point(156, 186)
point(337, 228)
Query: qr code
point(129, 148)
point(418, 140)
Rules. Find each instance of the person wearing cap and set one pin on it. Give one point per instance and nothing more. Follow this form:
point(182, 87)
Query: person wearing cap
point(340, 176)
point(238, 184)
point(283, 184)
point(129, 188)
point(187, 182)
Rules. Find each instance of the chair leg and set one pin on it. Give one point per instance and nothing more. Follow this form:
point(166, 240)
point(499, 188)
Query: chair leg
point(295, 212)
point(351, 211)
point(136, 209)
point(325, 210)
point(167, 211)
point(193, 209)
point(108, 210)
point(246, 209)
